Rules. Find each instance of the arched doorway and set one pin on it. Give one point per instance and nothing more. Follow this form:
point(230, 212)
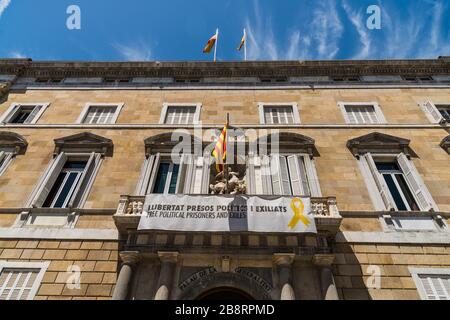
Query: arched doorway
point(224, 293)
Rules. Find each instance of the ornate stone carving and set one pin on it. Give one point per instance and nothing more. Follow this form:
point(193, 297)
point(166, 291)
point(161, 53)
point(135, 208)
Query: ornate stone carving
point(377, 142)
point(235, 185)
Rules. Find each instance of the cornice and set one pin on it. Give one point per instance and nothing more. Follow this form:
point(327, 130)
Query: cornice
point(196, 69)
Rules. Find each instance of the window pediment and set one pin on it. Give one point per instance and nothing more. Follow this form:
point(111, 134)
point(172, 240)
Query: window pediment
point(84, 142)
point(165, 142)
point(13, 140)
point(377, 142)
point(289, 142)
point(445, 144)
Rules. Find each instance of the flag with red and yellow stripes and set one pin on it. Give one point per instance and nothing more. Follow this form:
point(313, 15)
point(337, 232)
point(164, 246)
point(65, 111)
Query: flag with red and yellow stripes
point(210, 44)
point(220, 149)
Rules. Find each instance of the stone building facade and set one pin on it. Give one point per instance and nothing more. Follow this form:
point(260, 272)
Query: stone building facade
point(82, 143)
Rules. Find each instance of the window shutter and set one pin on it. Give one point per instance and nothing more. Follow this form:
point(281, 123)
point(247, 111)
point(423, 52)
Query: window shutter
point(33, 114)
point(311, 174)
point(196, 187)
point(189, 175)
point(49, 179)
point(6, 157)
point(266, 176)
point(280, 175)
point(434, 113)
point(206, 174)
point(250, 175)
point(11, 113)
point(144, 177)
point(184, 161)
point(82, 189)
point(349, 115)
point(436, 287)
point(297, 180)
point(379, 182)
point(418, 188)
point(154, 173)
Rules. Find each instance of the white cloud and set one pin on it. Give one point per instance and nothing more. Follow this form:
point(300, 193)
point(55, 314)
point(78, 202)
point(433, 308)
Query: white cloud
point(357, 20)
point(326, 30)
point(139, 51)
point(17, 55)
point(3, 5)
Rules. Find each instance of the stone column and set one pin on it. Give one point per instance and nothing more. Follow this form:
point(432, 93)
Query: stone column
point(166, 275)
point(129, 260)
point(284, 261)
point(324, 261)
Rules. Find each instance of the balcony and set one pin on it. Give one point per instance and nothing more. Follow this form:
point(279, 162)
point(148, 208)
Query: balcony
point(325, 210)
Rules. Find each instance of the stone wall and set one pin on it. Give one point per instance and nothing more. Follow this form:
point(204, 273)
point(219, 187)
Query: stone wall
point(97, 261)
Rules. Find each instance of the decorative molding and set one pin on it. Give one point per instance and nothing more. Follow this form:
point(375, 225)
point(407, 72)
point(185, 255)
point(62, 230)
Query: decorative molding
point(84, 142)
point(445, 144)
point(323, 260)
point(164, 142)
point(283, 259)
point(355, 68)
point(130, 257)
point(379, 143)
point(413, 237)
point(168, 256)
point(290, 142)
point(13, 140)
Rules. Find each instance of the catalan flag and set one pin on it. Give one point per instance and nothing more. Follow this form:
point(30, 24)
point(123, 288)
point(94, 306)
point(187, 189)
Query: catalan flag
point(220, 149)
point(244, 38)
point(211, 43)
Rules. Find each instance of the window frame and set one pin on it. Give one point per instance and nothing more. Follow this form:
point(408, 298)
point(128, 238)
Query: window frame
point(88, 105)
point(432, 112)
point(293, 105)
point(42, 266)
point(6, 158)
point(417, 272)
point(377, 109)
point(9, 113)
point(166, 105)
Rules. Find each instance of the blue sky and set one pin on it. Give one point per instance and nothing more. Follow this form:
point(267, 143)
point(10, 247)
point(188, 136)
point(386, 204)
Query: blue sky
point(114, 30)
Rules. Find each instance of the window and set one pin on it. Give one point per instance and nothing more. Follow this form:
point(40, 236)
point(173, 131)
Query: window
point(179, 114)
point(20, 280)
point(398, 184)
point(444, 110)
point(160, 175)
point(100, 113)
point(432, 283)
point(166, 178)
point(283, 175)
point(436, 113)
point(24, 113)
point(65, 185)
point(279, 114)
point(362, 113)
point(398, 188)
point(67, 181)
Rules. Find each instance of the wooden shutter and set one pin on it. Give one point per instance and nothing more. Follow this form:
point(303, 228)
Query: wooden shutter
point(144, 177)
point(379, 182)
point(10, 113)
point(434, 113)
point(349, 115)
point(249, 175)
point(254, 176)
point(6, 157)
point(181, 180)
point(280, 175)
point(418, 188)
point(196, 187)
point(189, 175)
point(297, 180)
point(266, 175)
point(206, 174)
point(33, 114)
point(83, 185)
point(154, 172)
point(50, 177)
point(311, 174)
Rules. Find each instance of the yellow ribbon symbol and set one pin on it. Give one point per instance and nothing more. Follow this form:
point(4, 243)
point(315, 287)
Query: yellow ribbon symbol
point(298, 207)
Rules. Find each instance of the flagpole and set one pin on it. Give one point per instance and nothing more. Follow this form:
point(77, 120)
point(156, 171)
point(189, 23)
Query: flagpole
point(225, 168)
point(217, 41)
point(245, 45)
